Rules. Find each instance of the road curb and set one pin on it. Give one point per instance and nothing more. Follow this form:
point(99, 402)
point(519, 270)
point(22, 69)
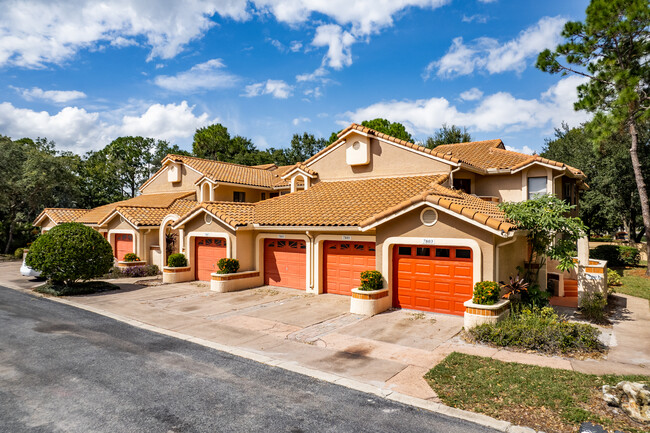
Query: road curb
point(475, 418)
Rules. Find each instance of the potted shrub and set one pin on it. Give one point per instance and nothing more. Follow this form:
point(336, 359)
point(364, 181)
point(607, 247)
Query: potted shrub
point(370, 297)
point(486, 305)
point(228, 279)
point(130, 260)
point(177, 269)
point(228, 266)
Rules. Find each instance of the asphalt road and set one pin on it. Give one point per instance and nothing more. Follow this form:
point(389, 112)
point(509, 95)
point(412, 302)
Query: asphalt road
point(69, 370)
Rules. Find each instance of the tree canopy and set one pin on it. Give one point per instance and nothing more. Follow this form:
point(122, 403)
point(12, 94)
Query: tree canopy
point(394, 129)
point(448, 135)
point(612, 50)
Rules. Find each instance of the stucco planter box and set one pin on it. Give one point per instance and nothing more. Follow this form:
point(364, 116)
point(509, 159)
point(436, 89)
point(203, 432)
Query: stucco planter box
point(177, 274)
point(478, 314)
point(236, 281)
point(369, 302)
point(133, 264)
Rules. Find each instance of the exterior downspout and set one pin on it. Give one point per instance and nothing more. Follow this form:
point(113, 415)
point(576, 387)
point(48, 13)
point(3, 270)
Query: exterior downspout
point(451, 176)
point(496, 268)
point(553, 185)
point(311, 261)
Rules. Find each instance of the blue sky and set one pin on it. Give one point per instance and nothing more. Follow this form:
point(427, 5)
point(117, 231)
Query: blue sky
point(83, 73)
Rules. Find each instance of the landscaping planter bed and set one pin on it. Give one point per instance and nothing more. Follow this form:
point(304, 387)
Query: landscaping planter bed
point(177, 274)
point(235, 281)
point(369, 302)
point(478, 314)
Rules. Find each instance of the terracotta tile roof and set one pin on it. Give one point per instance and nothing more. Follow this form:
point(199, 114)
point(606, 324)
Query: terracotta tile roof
point(158, 200)
point(492, 154)
point(61, 215)
point(217, 171)
point(357, 203)
point(153, 216)
point(234, 214)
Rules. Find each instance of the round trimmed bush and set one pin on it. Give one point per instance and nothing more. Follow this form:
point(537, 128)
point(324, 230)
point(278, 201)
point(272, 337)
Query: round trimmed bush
point(70, 252)
point(486, 293)
point(228, 266)
point(371, 280)
point(131, 257)
point(19, 253)
point(177, 260)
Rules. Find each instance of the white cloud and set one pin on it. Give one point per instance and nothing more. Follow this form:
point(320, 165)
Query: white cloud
point(482, 19)
point(277, 88)
point(58, 96)
point(204, 76)
point(298, 120)
point(471, 95)
point(295, 46)
point(277, 44)
point(498, 112)
point(37, 32)
point(78, 130)
point(487, 54)
point(527, 150)
point(317, 75)
point(338, 42)
point(364, 16)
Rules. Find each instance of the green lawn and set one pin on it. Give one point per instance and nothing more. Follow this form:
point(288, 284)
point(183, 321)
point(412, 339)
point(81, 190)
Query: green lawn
point(635, 283)
point(539, 397)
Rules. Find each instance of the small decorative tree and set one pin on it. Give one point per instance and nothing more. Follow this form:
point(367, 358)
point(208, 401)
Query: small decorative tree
point(552, 233)
point(69, 253)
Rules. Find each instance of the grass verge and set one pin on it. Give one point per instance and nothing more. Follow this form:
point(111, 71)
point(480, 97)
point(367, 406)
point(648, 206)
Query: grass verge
point(539, 397)
point(85, 288)
point(635, 283)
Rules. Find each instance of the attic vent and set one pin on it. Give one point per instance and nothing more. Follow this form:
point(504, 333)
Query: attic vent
point(207, 218)
point(429, 216)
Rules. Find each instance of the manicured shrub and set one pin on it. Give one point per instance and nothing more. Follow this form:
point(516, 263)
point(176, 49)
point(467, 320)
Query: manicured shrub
point(133, 272)
point(614, 278)
point(19, 253)
point(486, 293)
point(628, 256)
point(70, 252)
point(131, 257)
point(539, 329)
point(592, 306)
point(228, 266)
point(371, 280)
point(177, 260)
point(616, 255)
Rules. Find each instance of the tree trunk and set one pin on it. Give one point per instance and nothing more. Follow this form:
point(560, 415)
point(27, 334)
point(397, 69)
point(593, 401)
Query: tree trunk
point(643, 193)
point(10, 236)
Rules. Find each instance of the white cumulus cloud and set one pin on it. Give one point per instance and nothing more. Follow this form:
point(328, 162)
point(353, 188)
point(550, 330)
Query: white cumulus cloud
point(471, 95)
point(276, 88)
point(496, 112)
point(78, 130)
point(338, 42)
point(34, 33)
point(57, 96)
point(489, 55)
point(204, 76)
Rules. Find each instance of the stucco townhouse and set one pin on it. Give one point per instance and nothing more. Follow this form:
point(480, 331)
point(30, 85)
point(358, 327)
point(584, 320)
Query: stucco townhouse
point(427, 219)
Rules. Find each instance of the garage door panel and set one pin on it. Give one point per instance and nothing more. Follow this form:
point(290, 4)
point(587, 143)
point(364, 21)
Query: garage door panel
point(285, 263)
point(207, 252)
point(428, 281)
point(343, 262)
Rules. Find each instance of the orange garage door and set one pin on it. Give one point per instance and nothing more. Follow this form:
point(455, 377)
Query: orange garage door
point(207, 253)
point(343, 263)
point(285, 262)
point(123, 245)
point(435, 279)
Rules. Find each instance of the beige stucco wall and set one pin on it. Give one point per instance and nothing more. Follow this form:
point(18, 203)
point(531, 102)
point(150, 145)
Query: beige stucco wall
point(150, 237)
point(46, 224)
point(161, 184)
point(510, 256)
point(225, 193)
point(386, 159)
point(506, 187)
point(447, 227)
